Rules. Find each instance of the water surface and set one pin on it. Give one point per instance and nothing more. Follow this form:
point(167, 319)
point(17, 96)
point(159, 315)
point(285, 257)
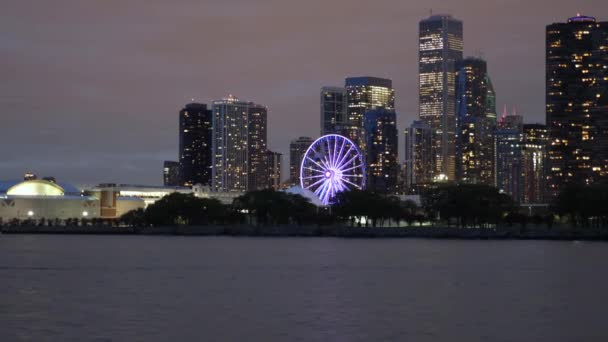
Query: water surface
point(163, 288)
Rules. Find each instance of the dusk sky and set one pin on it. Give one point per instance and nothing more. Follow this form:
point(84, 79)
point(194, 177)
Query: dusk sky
point(91, 90)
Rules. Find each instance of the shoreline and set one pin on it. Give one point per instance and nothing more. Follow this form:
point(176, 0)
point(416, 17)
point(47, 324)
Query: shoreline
point(501, 233)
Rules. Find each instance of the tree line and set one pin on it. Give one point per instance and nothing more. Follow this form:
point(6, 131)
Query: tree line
point(450, 205)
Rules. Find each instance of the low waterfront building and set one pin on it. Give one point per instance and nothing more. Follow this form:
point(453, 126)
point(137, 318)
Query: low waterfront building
point(38, 198)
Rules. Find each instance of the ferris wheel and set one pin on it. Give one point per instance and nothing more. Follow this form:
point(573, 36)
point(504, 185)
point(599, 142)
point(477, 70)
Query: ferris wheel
point(332, 164)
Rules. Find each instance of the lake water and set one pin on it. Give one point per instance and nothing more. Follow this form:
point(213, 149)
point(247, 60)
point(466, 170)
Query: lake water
point(165, 288)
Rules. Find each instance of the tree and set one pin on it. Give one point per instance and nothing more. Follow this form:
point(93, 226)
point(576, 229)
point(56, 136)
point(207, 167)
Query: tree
point(468, 204)
point(274, 207)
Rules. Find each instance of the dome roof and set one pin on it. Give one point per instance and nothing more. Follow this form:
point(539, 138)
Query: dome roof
point(297, 190)
point(36, 187)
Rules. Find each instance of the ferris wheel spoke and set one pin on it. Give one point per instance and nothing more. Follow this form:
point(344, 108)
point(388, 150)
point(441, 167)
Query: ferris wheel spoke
point(311, 177)
point(352, 175)
point(344, 156)
point(337, 158)
point(328, 156)
point(348, 162)
point(333, 157)
point(315, 183)
point(352, 168)
point(319, 189)
point(322, 159)
point(315, 170)
point(319, 165)
point(325, 192)
point(351, 183)
point(321, 193)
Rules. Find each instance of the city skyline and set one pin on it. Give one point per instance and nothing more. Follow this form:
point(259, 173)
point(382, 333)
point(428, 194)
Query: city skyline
point(56, 90)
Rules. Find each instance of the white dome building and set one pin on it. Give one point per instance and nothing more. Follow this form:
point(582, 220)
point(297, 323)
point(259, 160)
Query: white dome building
point(39, 198)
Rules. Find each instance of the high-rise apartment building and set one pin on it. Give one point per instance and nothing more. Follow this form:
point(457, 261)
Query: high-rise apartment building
point(508, 155)
point(382, 168)
point(239, 145)
point(577, 102)
point(363, 94)
point(297, 149)
point(475, 122)
point(440, 46)
point(195, 140)
point(334, 106)
point(171, 173)
point(273, 160)
point(534, 155)
point(418, 155)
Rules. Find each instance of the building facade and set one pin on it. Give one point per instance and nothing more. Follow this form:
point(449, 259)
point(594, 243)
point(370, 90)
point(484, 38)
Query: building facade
point(195, 137)
point(577, 102)
point(333, 110)
point(297, 149)
point(273, 160)
point(475, 123)
point(440, 46)
point(381, 141)
point(534, 156)
point(239, 146)
point(418, 155)
point(363, 94)
point(171, 173)
point(38, 199)
point(508, 155)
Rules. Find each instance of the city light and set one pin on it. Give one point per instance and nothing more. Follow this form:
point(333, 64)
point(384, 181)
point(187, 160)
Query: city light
point(332, 164)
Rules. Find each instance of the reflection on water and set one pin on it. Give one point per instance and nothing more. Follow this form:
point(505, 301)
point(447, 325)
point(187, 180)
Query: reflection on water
point(136, 288)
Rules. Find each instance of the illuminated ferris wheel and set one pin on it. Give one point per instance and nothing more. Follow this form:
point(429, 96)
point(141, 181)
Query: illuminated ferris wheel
point(332, 164)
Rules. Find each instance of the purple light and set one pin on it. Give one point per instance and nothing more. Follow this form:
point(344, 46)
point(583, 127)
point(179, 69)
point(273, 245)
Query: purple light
point(332, 164)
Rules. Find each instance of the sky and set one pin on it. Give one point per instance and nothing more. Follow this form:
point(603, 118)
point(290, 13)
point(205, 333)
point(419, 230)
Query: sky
point(90, 90)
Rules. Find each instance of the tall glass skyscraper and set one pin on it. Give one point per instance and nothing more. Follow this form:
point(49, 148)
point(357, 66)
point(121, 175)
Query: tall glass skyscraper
point(475, 123)
point(239, 145)
point(508, 155)
point(440, 46)
point(195, 139)
point(577, 101)
point(418, 155)
point(297, 149)
point(334, 118)
point(380, 127)
point(171, 173)
point(534, 155)
point(273, 160)
point(366, 93)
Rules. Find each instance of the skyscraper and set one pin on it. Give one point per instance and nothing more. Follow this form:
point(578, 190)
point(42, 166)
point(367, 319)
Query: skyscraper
point(239, 145)
point(380, 127)
point(418, 155)
point(297, 149)
point(475, 123)
point(577, 101)
point(440, 46)
point(257, 139)
point(366, 93)
point(273, 160)
point(508, 155)
point(534, 155)
point(333, 110)
point(195, 137)
point(171, 173)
